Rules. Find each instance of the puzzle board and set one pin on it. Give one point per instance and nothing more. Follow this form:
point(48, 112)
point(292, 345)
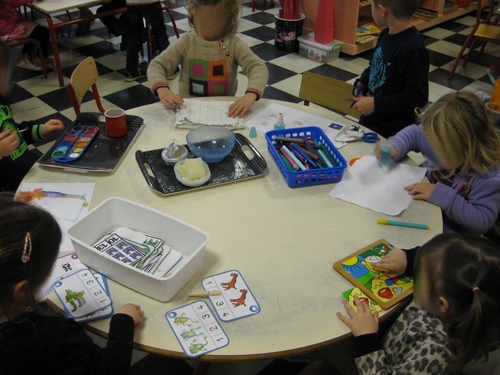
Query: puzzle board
point(357, 268)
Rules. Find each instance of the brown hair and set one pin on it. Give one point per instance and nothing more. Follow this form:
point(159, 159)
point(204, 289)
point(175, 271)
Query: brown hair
point(17, 219)
point(232, 7)
point(464, 270)
point(400, 8)
point(458, 130)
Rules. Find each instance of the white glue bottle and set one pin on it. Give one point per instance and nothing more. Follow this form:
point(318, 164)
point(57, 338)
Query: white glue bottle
point(279, 124)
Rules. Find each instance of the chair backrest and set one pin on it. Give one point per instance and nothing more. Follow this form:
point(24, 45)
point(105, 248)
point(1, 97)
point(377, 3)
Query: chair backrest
point(83, 78)
point(328, 92)
point(482, 4)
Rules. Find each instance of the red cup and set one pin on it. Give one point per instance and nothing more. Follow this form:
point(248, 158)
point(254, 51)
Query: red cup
point(116, 122)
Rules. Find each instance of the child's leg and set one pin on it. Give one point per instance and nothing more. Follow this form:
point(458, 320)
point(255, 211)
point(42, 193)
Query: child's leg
point(154, 15)
point(41, 34)
point(136, 29)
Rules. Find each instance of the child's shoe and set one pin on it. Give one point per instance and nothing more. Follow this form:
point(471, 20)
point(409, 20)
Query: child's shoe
point(26, 62)
point(129, 77)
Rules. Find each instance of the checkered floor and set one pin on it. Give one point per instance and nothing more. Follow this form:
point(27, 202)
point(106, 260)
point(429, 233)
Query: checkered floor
point(36, 98)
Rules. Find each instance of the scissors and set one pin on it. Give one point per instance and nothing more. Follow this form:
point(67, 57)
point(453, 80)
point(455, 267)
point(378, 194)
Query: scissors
point(368, 137)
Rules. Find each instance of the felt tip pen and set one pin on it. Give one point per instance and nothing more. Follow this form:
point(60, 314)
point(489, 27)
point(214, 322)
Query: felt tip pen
point(304, 155)
point(290, 160)
point(403, 224)
point(294, 158)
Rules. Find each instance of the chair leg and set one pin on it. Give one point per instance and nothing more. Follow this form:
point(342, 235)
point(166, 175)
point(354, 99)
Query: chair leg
point(459, 57)
point(253, 5)
point(467, 55)
point(42, 60)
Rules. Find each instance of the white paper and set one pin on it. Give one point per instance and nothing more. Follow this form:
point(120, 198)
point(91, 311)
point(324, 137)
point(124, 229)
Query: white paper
point(193, 113)
point(367, 185)
point(293, 118)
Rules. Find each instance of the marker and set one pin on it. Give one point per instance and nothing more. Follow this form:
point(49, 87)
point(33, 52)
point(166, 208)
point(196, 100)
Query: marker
point(294, 158)
point(403, 224)
point(301, 151)
point(290, 160)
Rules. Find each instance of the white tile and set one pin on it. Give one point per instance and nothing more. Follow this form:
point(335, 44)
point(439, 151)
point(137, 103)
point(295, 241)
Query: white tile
point(479, 86)
point(447, 48)
point(436, 91)
point(39, 86)
point(31, 109)
point(472, 70)
point(295, 62)
point(290, 85)
point(438, 33)
point(74, 42)
point(356, 66)
point(114, 61)
point(113, 82)
point(249, 40)
point(245, 25)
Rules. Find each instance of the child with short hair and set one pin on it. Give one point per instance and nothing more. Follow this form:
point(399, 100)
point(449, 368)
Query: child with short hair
point(15, 157)
point(453, 320)
point(31, 341)
point(396, 82)
point(463, 159)
point(210, 56)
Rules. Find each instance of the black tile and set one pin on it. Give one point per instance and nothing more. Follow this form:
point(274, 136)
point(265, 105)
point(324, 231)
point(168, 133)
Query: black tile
point(261, 18)
point(266, 51)
point(274, 93)
point(262, 33)
point(19, 94)
point(452, 26)
point(458, 81)
point(98, 49)
point(485, 59)
point(277, 73)
point(439, 59)
point(57, 99)
point(132, 97)
point(458, 39)
point(428, 40)
point(333, 72)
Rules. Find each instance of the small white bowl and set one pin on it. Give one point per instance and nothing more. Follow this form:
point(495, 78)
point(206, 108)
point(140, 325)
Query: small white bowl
point(191, 183)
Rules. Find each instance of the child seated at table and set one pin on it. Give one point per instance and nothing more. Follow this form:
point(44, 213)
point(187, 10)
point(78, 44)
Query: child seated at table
point(209, 57)
point(453, 321)
point(13, 26)
point(463, 159)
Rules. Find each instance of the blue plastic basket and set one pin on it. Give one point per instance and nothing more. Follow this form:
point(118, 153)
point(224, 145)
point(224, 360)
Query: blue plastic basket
point(310, 177)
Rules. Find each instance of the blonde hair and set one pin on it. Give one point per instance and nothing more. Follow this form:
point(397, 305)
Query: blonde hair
point(458, 130)
point(232, 7)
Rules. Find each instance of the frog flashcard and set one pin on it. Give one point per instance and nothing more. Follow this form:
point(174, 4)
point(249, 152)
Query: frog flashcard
point(196, 329)
point(236, 299)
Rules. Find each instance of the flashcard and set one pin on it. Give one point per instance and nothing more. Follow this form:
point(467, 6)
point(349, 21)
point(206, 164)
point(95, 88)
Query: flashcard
point(102, 313)
point(81, 294)
point(236, 299)
point(196, 329)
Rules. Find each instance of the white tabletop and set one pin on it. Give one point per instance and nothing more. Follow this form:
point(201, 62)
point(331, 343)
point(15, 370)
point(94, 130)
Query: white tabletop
point(55, 6)
point(283, 241)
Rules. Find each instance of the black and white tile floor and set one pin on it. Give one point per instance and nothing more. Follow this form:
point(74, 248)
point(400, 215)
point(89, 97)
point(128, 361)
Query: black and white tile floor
point(36, 98)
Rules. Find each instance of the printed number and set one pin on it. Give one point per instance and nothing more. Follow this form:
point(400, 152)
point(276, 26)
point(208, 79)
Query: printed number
point(90, 282)
point(213, 328)
point(98, 292)
point(205, 316)
point(219, 303)
point(103, 300)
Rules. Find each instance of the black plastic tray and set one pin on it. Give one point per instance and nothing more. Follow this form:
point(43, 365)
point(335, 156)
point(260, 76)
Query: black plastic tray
point(104, 153)
point(242, 163)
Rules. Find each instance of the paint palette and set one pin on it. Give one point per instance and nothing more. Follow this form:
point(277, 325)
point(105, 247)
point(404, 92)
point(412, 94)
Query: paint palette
point(74, 143)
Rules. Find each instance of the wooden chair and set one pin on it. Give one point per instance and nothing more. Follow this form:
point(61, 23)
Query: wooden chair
point(327, 92)
point(82, 79)
point(481, 31)
point(22, 42)
point(253, 4)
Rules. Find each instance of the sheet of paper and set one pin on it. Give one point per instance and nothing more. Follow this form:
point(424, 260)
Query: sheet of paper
point(367, 185)
point(193, 113)
point(294, 118)
point(66, 202)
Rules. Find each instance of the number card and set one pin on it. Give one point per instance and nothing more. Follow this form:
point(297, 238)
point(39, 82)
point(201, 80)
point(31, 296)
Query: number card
point(196, 329)
point(102, 313)
point(236, 299)
point(81, 294)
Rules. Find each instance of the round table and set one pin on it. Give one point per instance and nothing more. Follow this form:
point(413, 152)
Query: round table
point(284, 242)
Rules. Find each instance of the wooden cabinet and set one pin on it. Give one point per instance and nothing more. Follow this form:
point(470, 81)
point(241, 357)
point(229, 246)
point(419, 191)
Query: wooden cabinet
point(349, 14)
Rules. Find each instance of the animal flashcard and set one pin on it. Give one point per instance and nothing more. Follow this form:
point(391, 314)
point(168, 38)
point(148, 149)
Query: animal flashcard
point(358, 269)
point(236, 299)
point(196, 329)
point(81, 294)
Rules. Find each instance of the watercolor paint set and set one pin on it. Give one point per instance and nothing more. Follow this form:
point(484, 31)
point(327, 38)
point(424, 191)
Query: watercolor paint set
point(74, 143)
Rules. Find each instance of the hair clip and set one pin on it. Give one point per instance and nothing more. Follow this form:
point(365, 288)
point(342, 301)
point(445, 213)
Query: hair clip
point(476, 289)
point(25, 258)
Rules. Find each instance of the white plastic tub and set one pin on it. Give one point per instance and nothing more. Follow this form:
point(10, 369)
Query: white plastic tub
point(117, 212)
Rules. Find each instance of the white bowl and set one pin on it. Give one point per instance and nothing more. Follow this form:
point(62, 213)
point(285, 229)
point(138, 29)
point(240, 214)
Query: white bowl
point(191, 183)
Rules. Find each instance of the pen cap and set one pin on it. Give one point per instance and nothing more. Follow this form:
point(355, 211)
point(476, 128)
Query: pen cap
point(385, 155)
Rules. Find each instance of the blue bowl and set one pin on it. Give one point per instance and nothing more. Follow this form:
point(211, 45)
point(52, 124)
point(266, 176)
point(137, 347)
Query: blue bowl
point(210, 142)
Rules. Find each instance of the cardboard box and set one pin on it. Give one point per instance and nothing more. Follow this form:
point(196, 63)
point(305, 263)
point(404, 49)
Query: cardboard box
point(117, 212)
point(324, 53)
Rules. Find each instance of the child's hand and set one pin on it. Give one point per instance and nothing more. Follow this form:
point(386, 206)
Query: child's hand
point(52, 126)
point(242, 105)
point(168, 98)
point(420, 191)
point(395, 263)
point(364, 104)
point(133, 311)
point(362, 322)
point(8, 142)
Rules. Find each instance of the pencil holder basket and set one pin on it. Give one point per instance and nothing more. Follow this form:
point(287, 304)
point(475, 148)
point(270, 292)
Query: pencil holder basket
point(311, 177)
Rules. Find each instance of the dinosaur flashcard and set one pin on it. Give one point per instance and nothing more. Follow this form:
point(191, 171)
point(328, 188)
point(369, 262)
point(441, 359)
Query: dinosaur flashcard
point(196, 329)
point(236, 299)
point(359, 270)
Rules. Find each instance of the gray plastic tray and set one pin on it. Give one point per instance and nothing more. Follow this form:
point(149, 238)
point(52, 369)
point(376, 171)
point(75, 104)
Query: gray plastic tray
point(243, 162)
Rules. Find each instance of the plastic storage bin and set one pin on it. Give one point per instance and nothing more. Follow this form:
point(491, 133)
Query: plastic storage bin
point(324, 53)
point(313, 176)
point(117, 212)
